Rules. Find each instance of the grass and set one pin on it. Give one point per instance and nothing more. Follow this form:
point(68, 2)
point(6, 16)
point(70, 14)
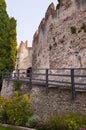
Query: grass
point(4, 128)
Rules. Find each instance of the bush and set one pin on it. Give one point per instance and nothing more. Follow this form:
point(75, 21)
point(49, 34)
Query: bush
point(42, 126)
point(17, 110)
point(56, 122)
point(3, 114)
point(67, 122)
point(75, 121)
point(32, 121)
point(17, 85)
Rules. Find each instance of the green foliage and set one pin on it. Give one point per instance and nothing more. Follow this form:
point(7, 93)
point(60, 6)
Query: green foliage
point(0, 80)
point(13, 42)
point(17, 84)
point(42, 126)
point(56, 122)
point(8, 43)
point(75, 121)
point(17, 110)
point(67, 122)
point(73, 29)
point(83, 27)
point(4, 128)
point(3, 115)
point(58, 5)
point(32, 121)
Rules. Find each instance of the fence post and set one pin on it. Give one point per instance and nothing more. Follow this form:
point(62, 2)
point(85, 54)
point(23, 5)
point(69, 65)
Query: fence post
point(18, 74)
point(72, 84)
point(46, 80)
point(30, 79)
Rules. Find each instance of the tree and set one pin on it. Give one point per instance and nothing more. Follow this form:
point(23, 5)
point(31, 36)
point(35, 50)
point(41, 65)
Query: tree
point(8, 43)
point(58, 5)
point(13, 43)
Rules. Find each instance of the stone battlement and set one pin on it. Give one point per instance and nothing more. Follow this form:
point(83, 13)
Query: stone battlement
point(61, 33)
point(65, 5)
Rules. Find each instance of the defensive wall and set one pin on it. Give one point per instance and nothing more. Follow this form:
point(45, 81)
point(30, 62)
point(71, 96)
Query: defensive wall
point(44, 104)
point(60, 40)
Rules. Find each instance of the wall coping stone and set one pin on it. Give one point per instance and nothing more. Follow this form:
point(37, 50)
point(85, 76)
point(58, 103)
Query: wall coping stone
point(16, 127)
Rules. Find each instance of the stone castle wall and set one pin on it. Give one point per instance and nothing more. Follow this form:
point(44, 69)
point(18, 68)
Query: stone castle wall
point(55, 44)
point(55, 101)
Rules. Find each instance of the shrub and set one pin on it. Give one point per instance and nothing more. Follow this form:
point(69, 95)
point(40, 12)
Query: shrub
point(56, 122)
point(42, 126)
point(17, 110)
point(67, 122)
point(17, 84)
point(3, 114)
point(32, 121)
point(75, 121)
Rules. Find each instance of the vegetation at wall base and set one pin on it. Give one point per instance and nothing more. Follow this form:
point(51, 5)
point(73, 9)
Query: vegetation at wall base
point(42, 126)
point(17, 85)
point(33, 121)
point(15, 111)
point(18, 111)
point(71, 121)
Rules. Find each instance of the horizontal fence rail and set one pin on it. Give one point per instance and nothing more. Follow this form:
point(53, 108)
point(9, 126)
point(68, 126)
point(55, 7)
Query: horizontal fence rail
point(73, 79)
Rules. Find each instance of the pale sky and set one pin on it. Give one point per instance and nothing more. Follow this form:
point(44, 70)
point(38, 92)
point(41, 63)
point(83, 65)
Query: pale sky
point(28, 14)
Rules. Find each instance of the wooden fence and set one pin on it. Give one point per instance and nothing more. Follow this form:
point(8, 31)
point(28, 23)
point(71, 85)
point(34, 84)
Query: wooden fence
point(73, 79)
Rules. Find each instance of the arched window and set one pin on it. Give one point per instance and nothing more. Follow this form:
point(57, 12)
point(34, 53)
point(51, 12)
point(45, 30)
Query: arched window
point(28, 71)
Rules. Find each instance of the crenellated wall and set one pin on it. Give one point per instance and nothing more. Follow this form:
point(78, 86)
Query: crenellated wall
point(60, 35)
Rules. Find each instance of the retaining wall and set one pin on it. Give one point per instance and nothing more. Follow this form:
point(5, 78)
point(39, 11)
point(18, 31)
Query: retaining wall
point(55, 101)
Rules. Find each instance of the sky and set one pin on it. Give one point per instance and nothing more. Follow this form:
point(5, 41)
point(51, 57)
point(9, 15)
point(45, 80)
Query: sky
point(28, 14)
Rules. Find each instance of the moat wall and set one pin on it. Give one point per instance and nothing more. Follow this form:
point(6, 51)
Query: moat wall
point(55, 101)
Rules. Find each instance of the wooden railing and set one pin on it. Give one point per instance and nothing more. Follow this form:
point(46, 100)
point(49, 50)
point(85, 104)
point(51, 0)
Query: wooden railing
point(73, 79)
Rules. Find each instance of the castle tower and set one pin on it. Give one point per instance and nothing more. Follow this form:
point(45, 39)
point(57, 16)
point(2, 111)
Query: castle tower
point(24, 57)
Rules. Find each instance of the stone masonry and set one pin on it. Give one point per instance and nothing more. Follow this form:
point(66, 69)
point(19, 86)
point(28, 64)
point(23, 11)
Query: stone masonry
point(60, 35)
point(59, 42)
point(24, 57)
point(55, 101)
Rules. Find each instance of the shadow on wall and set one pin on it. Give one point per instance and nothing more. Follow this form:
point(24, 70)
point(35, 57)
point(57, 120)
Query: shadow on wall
point(80, 2)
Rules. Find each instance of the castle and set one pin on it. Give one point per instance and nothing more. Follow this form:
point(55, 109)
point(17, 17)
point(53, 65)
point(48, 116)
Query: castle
point(59, 42)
